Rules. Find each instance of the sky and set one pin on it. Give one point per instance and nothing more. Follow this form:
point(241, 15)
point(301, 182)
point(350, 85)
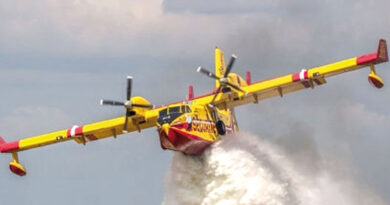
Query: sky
point(59, 58)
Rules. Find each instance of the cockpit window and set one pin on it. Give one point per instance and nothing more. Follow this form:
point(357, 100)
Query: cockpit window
point(169, 114)
point(174, 110)
point(186, 108)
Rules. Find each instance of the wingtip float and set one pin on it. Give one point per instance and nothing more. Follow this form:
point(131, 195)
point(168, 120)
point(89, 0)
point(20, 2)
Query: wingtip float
point(191, 125)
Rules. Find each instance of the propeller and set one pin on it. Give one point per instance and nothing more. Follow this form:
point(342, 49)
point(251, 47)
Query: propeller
point(222, 80)
point(127, 104)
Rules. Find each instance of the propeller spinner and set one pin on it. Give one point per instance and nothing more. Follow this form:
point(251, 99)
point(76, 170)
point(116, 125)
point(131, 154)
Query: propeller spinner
point(127, 104)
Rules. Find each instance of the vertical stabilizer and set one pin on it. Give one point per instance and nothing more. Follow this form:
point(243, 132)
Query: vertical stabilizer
point(220, 67)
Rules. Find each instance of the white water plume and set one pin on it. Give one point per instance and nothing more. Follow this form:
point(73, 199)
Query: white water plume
point(244, 170)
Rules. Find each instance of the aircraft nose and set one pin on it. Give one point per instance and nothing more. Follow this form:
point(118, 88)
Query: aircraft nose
point(165, 128)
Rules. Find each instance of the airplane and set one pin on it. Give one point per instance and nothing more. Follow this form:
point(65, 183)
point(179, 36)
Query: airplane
point(190, 126)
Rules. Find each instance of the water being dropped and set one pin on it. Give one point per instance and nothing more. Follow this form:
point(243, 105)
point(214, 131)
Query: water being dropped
point(242, 169)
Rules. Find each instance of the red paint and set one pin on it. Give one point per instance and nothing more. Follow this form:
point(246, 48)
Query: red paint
point(79, 130)
point(306, 75)
point(182, 141)
point(377, 57)
point(248, 78)
point(68, 133)
point(375, 82)
point(11, 146)
point(190, 92)
point(190, 144)
point(368, 58)
point(181, 125)
point(172, 136)
point(295, 77)
point(17, 170)
point(2, 141)
point(186, 134)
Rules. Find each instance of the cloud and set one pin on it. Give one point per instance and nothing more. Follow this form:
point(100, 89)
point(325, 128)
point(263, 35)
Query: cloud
point(61, 57)
point(219, 6)
point(28, 121)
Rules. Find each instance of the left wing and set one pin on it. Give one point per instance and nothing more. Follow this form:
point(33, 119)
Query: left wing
point(81, 134)
point(304, 79)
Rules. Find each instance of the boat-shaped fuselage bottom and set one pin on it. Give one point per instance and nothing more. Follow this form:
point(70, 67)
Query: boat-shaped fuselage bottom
point(191, 129)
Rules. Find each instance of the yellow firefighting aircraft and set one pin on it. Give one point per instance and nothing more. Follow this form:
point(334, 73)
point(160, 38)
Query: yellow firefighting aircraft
point(191, 125)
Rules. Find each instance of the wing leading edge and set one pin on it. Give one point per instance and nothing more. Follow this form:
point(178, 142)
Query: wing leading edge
point(306, 78)
point(83, 134)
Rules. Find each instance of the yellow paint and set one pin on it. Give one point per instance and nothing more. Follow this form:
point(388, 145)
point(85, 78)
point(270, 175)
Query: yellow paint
point(219, 65)
point(19, 166)
point(334, 68)
point(42, 140)
point(201, 112)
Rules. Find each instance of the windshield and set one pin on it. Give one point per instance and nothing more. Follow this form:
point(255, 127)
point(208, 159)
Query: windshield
point(169, 114)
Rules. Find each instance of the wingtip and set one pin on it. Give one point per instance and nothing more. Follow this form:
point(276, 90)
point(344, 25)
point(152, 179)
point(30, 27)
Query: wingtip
point(382, 54)
point(129, 77)
point(234, 56)
point(101, 102)
point(198, 69)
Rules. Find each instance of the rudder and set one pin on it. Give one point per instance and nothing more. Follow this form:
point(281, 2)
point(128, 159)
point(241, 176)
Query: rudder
point(220, 67)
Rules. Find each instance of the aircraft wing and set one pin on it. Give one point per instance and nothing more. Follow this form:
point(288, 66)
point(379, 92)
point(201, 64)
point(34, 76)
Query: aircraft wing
point(306, 78)
point(84, 133)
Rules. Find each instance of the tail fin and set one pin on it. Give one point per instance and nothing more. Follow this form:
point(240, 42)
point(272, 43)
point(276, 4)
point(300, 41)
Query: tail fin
point(220, 67)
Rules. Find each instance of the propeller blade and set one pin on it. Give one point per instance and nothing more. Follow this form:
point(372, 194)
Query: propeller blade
point(215, 95)
point(129, 83)
point(235, 87)
point(111, 102)
point(230, 65)
point(126, 120)
point(141, 105)
point(206, 72)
